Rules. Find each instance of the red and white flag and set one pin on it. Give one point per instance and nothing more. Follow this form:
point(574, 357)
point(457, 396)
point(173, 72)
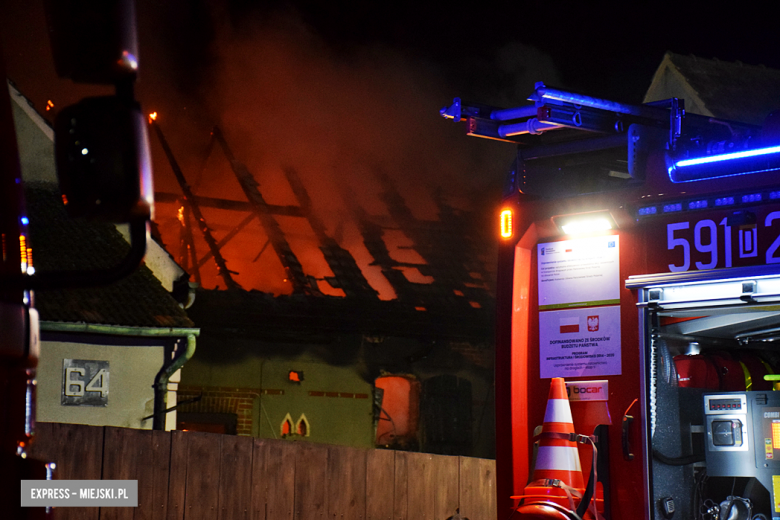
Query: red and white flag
point(570, 325)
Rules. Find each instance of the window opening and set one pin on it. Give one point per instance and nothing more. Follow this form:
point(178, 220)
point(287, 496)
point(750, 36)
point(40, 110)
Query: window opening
point(286, 427)
point(399, 410)
point(302, 426)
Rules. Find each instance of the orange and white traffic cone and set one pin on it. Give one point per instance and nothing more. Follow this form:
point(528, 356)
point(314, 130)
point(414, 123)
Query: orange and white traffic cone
point(557, 472)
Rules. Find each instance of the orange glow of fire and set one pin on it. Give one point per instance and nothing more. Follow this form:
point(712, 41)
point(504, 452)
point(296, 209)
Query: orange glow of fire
point(180, 215)
point(152, 117)
point(400, 409)
point(49, 105)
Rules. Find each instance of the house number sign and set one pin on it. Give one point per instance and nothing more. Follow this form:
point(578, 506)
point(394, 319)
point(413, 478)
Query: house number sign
point(84, 382)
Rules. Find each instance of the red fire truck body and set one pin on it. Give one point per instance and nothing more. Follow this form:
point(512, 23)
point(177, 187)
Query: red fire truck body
point(667, 273)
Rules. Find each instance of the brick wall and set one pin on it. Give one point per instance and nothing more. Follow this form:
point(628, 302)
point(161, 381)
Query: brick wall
point(222, 399)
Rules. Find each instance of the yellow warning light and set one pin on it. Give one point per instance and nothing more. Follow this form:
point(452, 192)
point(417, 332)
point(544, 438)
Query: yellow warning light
point(23, 252)
point(506, 223)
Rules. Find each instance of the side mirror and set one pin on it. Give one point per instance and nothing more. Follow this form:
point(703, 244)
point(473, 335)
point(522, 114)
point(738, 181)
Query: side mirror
point(103, 164)
point(93, 41)
point(101, 145)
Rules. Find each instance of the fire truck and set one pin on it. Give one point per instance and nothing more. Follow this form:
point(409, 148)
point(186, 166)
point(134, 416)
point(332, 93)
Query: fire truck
point(638, 261)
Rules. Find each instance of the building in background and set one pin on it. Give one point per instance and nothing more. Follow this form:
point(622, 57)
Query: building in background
point(105, 351)
point(370, 325)
point(711, 87)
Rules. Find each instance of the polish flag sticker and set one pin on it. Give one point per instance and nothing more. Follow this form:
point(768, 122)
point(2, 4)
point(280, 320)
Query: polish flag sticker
point(570, 325)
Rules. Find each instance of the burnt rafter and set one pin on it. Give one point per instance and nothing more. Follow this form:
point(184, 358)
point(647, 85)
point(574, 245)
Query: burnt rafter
point(449, 265)
point(233, 205)
point(373, 239)
point(189, 200)
point(187, 252)
point(233, 232)
point(463, 261)
point(300, 281)
point(371, 232)
point(347, 275)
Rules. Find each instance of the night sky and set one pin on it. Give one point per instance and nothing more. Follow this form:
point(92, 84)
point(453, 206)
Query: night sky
point(339, 90)
point(488, 49)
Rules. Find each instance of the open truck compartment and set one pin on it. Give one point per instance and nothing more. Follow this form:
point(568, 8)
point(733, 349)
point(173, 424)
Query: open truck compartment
point(714, 420)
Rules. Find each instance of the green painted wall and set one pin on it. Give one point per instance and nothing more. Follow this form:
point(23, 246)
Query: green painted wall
point(333, 420)
point(344, 421)
point(341, 364)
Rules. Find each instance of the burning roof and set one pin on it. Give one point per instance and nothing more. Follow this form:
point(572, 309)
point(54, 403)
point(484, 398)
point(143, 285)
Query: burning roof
point(361, 269)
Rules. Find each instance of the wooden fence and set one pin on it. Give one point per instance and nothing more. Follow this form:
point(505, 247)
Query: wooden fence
point(191, 476)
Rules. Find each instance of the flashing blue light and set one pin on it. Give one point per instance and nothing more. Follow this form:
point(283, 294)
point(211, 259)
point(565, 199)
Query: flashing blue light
point(774, 195)
point(728, 156)
point(25, 220)
point(725, 201)
point(725, 165)
point(753, 197)
point(669, 208)
point(649, 210)
point(697, 204)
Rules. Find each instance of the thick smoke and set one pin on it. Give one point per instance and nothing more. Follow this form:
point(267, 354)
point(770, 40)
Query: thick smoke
point(340, 114)
point(522, 66)
point(340, 117)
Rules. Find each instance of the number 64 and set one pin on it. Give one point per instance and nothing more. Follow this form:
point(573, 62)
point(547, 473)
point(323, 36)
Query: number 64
point(99, 383)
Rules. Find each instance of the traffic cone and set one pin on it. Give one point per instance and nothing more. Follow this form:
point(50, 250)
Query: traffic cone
point(557, 458)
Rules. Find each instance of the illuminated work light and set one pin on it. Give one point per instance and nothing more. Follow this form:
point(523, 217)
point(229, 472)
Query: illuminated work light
point(726, 165)
point(585, 223)
point(579, 227)
point(506, 223)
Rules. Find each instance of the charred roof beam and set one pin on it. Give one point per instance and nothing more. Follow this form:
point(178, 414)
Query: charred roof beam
point(189, 199)
point(292, 266)
point(234, 205)
point(347, 275)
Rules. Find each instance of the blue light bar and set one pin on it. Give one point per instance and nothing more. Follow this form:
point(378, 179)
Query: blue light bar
point(729, 156)
point(694, 204)
point(725, 165)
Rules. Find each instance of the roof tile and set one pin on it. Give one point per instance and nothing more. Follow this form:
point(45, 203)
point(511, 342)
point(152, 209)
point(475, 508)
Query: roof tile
point(61, 243)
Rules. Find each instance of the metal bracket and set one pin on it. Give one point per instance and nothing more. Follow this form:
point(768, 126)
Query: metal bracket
point(676, 115)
